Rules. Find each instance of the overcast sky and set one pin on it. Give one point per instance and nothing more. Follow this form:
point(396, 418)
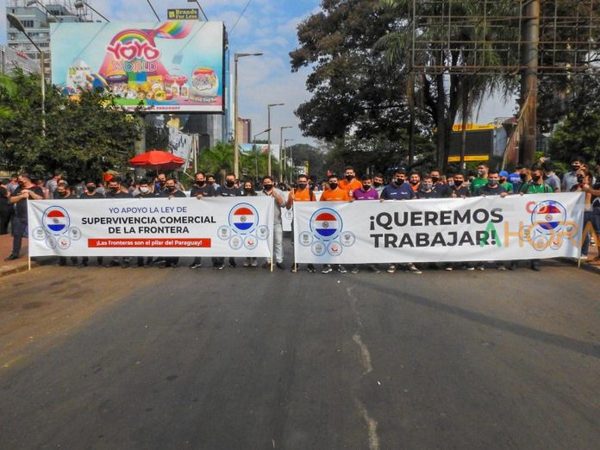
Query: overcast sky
point(267, 26)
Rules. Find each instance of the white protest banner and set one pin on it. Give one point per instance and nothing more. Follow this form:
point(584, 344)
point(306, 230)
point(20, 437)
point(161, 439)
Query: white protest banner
point(152, 227)
point(436, 230)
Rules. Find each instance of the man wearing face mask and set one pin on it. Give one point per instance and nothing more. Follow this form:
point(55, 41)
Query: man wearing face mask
point(536, 185)
point(91, 193)
point(170, 191)
point(493, 186)
point(378, 183)
point(427, 189)
point(229, 189)
point(334, 194)
point(63, 192)
point(143, 190)
point(302, 193)
point(398, 189)
point(24, 192)
point(365, 192)
point(349, 183)
point(570, 178)
point(115, 191)
point(201, 189)
point(269, 190)
point(441, 188)
point(458, 188)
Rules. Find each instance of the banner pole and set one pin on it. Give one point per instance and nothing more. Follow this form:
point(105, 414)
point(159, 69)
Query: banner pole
point(28, 262)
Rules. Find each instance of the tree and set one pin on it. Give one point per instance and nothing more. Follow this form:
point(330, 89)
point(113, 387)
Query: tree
point(579, 133)
point(81, 138)
point(302, 154)
point(353, 90)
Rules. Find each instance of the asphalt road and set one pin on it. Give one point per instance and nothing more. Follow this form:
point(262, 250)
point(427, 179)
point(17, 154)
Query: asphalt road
point(244, 359)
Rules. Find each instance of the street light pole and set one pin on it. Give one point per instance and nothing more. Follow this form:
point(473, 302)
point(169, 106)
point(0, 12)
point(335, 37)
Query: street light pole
point(256, 155)
point(236, 153)
point(16, 23)
point(269, 128)
point(285, 141)
point(281, 152)
point(153, 10)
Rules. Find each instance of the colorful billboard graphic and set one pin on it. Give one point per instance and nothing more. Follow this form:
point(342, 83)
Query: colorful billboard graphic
point(174, 66)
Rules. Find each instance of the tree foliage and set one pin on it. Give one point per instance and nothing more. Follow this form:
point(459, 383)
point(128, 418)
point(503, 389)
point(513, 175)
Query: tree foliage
point(81, 138)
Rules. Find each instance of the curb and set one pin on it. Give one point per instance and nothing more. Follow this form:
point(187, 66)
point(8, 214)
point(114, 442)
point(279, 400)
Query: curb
point(17, 269)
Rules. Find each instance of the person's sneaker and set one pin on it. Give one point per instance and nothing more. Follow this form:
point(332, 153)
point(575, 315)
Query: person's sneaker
point(327, 269)
point(501, 267)
point(11, 257)
point(280, 266)
point(584, 257)
point(480, 267)
point(253, 262)
point(294, 268)
point(246, 262)
point(160, 264)
point(232, 263)
point(195, 265)
point(355, 270)
point(341, 269)
point(374, 268)
point(449, 268)
point(219, 266)
point(391, 268)
point(513, 265)
point(310, 268)
point(413, 269)
point(535, 265)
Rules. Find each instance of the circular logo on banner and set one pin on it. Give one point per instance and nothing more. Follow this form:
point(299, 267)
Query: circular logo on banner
point(243, 218)
point(51, 242)
point(56, 220)
point(335, 248)
point(236, 242)
point(38, 234)
point(348, 239)
point(250, 242)
point(326, 224)
point(74, 233)
point(63, 242)
point(548, 216)
point(319, 248)
point(224, 232)
point(305, 238)
point(262, 232)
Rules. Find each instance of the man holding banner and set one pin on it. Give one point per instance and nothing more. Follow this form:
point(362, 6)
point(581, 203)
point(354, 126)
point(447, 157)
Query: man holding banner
point(302, 193)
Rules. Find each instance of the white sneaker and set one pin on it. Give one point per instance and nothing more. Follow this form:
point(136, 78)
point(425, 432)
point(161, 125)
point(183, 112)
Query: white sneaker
point(391, 268)
point(413, 269)
point(327, 269)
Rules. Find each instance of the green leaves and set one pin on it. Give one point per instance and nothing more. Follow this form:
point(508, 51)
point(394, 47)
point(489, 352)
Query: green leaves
point(82, 138)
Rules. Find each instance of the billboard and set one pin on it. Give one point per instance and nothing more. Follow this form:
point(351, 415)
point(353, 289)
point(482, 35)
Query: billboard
point(173, 66)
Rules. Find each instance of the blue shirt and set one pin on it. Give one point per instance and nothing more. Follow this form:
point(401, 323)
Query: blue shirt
point(394, 192)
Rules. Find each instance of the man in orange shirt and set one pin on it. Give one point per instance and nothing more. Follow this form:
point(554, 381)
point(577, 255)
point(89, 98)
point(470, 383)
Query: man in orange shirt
point(334, 194)
point(302, 193)
point(350, 183)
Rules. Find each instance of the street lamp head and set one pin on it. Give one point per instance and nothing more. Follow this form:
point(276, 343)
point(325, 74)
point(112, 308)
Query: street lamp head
point(242, 55)
point(31, 2)
point(79, 4)
point(275, 104)
point(15, 22)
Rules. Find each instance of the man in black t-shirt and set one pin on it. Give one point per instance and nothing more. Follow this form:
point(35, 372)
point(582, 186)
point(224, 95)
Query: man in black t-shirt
point(115, 191)
point(26, 191)
point(199, 190)
point(229, 189)
point(170, 191)
point(90, 193)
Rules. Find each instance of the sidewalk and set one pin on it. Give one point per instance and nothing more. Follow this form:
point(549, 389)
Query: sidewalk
point(18, 265)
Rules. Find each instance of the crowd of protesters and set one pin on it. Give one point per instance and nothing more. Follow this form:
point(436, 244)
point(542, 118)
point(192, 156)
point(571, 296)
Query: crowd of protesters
point(402, 185)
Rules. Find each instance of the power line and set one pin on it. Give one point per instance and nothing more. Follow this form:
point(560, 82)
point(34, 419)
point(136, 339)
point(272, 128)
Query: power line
point(240, 17)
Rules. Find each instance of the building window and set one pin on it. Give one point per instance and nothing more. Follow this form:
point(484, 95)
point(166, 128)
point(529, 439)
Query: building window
point(27, 23)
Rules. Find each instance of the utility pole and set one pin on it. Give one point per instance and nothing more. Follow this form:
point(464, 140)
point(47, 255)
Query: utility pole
point(529, 80)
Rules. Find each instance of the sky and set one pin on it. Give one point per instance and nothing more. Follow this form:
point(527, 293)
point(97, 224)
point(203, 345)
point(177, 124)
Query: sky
point(267, 26)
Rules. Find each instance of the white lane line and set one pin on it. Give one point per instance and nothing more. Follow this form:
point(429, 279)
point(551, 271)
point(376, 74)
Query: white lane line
point(371, 425)
point(365, 355)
